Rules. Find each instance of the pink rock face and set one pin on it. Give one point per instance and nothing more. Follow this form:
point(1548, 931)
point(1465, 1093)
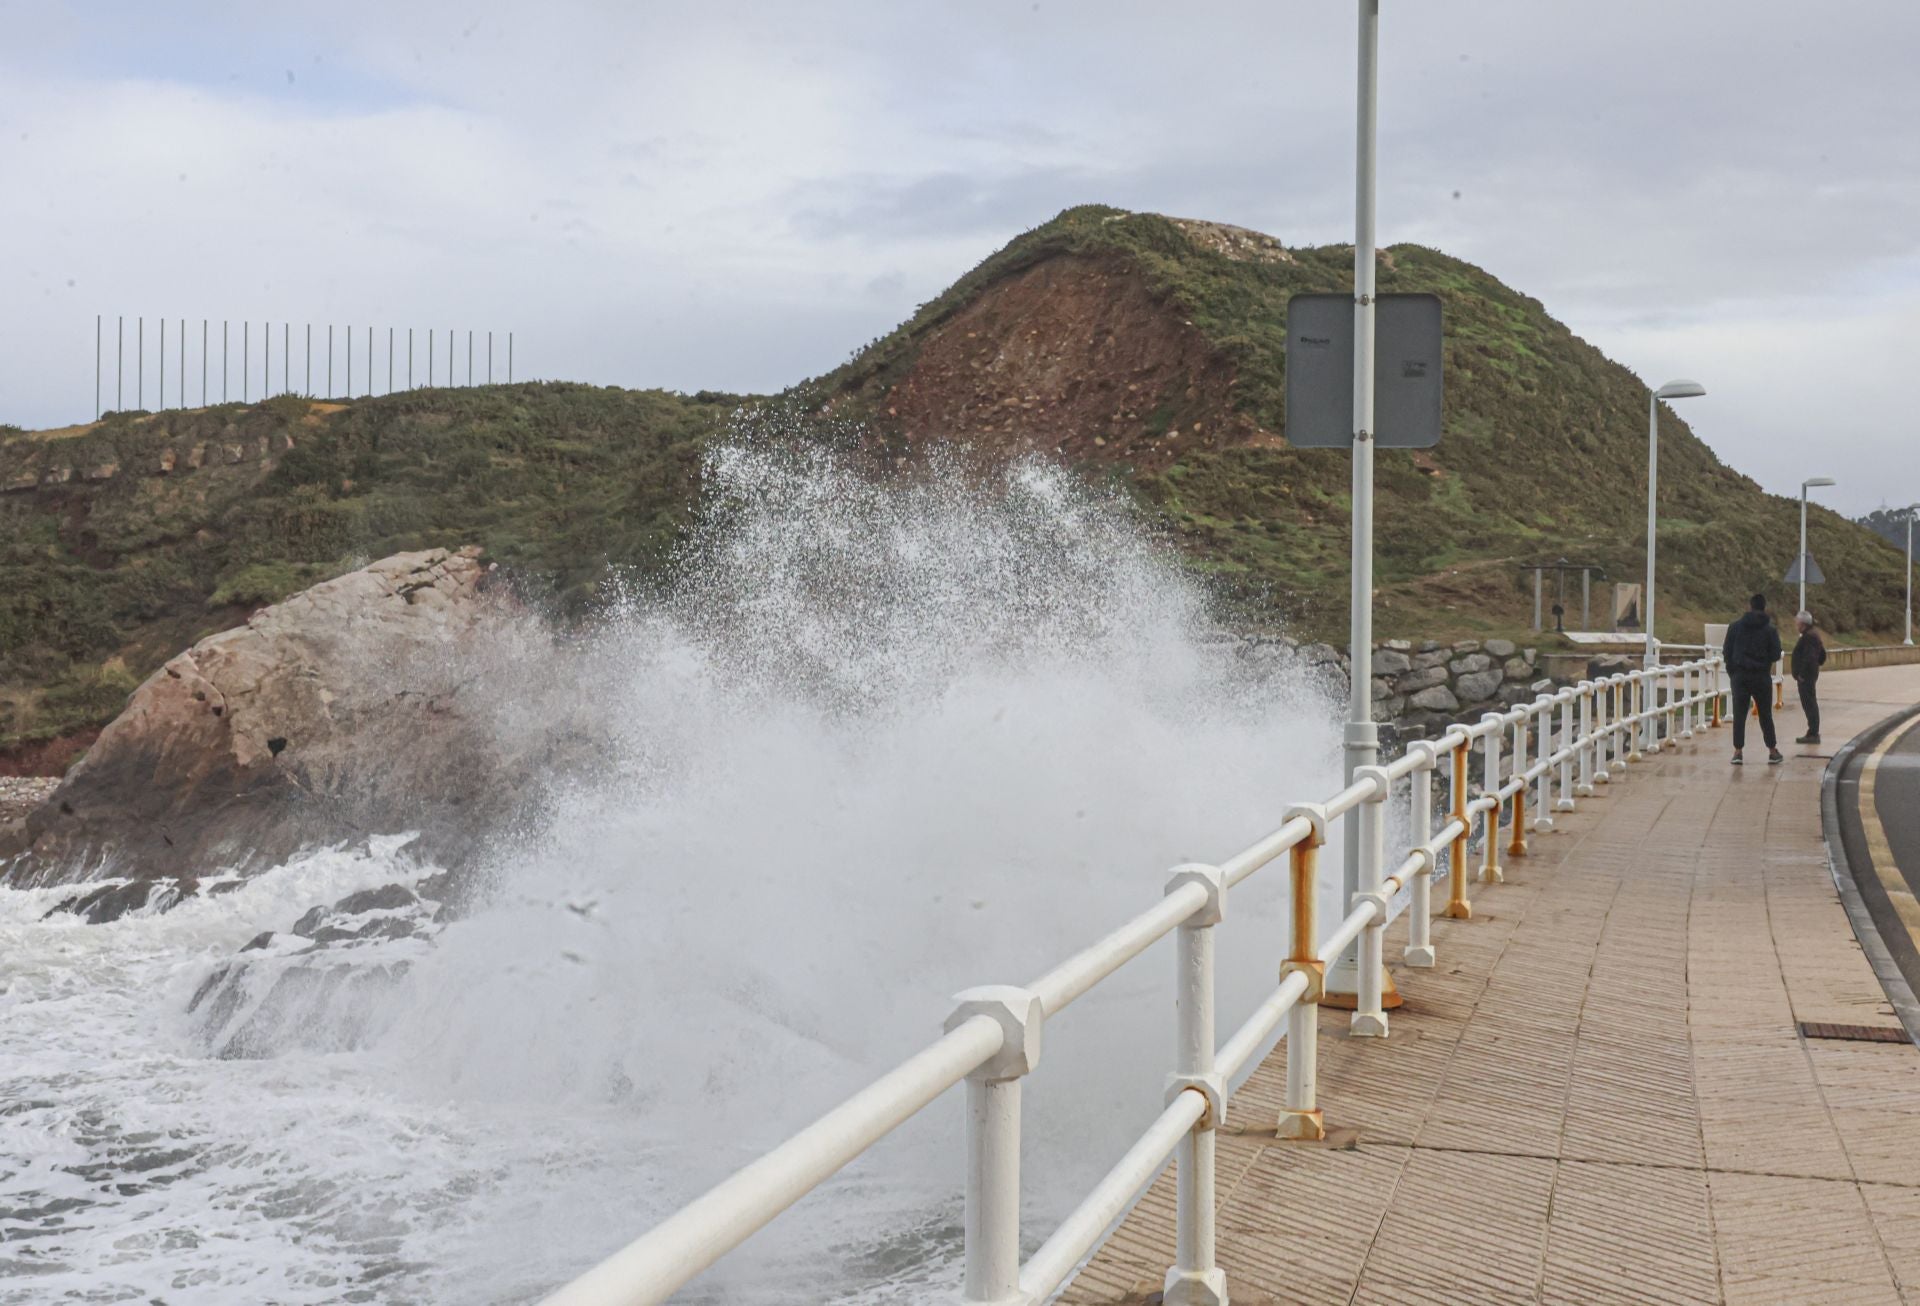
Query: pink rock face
point(326, 716)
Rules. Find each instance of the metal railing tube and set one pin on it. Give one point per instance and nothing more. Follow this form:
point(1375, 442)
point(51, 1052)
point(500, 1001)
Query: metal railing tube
point(993, 1191)
point(992, 1269)
point(657, 1264)
point(1517, 844)
point(1300, 1116)
point(1195, 1279)
point(1419, 950)
point(1081, 1231)
point(1568, 747)
point(1490, 781)
point(1244, 863)
point(1584, 788)
point(1637, 696)
point(1346, 931)
point(1254, 1032)
point(1369, 1018)
point(1543, 760)
point(1070, 980)
point(1457, 906)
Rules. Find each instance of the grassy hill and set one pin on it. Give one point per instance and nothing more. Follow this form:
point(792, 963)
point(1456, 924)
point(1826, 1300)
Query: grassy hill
point(1143, 349)
point(1544, 454)
point(144, 532)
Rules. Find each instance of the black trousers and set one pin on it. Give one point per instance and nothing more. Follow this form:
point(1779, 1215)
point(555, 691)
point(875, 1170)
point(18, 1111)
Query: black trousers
point(1757, 692)
point(1810, 704)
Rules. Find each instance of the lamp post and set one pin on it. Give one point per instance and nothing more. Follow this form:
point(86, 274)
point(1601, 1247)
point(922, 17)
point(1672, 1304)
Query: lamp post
point(1805, 485)
point(1912, 512)
point(1671, 390)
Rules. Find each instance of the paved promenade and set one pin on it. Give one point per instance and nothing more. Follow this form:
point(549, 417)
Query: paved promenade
point(1602, 1093)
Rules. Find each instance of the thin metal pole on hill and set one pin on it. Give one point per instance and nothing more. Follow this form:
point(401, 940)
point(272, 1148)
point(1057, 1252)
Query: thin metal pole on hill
point(120, 362)
point(162, 401)
point(430, 334)
point(389, 360)
point(329, 361)
point(183, 362)
point(246, 359)
point(96, 366)
point(469, 355)
point(203, 362)
point(140, 362)
point(223, 362)
point(349, 362)
point(509, 358)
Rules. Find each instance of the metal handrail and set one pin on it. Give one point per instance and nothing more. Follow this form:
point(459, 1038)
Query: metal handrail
point(993, 1037)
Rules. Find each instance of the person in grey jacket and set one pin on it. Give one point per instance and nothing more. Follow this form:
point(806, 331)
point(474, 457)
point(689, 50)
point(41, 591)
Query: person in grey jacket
point(1809, 655)
point(1752, 647)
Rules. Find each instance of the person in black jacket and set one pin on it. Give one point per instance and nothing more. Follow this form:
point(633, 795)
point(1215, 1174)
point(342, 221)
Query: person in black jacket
point(1751, 649)
point(1809, 653)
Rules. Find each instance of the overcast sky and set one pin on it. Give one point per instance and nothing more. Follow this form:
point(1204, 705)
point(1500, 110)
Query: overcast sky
point(737, 195)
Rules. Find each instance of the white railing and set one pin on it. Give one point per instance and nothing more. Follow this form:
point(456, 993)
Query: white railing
point(992, 1038)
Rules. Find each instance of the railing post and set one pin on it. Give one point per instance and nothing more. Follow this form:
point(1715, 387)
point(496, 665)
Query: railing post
point(1369, 1018)
point(1300, 1118)
point(993, 1141)
point(1567, 746)
point(1458, 908)
point(1584, 787)
point(1542, 750)
point(1602, 746)
point(1687, 704)
point(1637, 705)
point(1195, 1279)
point(1517, 845)
point(1419, 951)
point(1615, 738)
point(1490, 865)
point(1713, 686)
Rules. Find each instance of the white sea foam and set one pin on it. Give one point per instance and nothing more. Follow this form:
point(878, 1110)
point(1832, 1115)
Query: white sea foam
point(877, 742)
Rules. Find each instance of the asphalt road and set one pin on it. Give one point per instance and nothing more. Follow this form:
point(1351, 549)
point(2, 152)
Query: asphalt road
point(1879, 808)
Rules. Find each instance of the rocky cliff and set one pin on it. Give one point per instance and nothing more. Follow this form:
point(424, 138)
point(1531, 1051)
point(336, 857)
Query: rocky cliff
point(333, 715)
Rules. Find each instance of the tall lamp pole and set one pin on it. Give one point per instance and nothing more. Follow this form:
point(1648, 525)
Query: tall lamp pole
point(1804, 487)
point(1362, 734)
point(1671, 390)
point(1912, 512)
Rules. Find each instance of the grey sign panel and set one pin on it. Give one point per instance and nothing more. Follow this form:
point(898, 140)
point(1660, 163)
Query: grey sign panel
point(1814, 577)
point(1406, 373)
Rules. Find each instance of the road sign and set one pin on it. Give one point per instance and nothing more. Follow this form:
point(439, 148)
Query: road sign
point(1813, 572)
point(1406, 378)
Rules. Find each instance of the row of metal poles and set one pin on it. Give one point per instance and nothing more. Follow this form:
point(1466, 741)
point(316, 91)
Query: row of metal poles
point(993, 1037)
point(394, 379)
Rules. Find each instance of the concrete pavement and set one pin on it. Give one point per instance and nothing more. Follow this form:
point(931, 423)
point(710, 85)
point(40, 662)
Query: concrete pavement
point(1606, 1090)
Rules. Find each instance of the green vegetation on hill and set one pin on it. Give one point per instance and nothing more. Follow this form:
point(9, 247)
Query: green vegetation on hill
point(1544, 454)
point(104, 575)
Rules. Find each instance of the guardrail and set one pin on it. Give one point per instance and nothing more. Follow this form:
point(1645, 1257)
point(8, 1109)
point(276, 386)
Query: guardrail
point(993, 1035)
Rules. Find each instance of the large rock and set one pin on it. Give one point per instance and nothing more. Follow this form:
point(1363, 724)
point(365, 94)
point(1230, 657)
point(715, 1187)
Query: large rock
point(1501, 648)
point(327, 717)
point(1471, 662)
point(1390, 662)
point(1477, 686)
point(1426, 678)
point(1437, 699)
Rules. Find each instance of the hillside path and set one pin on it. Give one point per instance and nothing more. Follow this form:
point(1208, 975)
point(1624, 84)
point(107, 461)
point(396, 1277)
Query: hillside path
point(1602, 1092)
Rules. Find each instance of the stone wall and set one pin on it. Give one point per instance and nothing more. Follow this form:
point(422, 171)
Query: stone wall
point(1422, 688)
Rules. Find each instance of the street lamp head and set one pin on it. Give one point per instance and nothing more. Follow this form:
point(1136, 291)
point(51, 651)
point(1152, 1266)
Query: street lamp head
point(1811, 482)
point(1680, 390)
